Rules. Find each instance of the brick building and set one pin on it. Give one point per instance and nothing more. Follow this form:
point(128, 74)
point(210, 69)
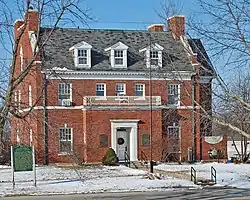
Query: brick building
point(134, 91)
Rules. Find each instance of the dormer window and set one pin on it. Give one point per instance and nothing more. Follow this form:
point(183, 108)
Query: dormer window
point(153, 55)
point(118, 55)
point(82, 55)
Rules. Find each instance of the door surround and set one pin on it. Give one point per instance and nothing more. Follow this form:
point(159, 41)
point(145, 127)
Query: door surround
point(133, 135)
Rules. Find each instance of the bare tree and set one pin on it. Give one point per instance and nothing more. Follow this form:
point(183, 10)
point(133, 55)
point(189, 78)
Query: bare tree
point(224, 27)
point(51, 13)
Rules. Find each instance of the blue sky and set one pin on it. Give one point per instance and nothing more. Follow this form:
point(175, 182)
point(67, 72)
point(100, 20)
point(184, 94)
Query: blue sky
point(118, 14)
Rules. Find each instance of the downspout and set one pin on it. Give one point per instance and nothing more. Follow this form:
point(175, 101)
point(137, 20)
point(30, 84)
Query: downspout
point(193, 120)
point(45, 124)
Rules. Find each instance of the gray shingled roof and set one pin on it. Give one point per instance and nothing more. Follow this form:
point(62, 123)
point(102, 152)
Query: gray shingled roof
point(56, 52)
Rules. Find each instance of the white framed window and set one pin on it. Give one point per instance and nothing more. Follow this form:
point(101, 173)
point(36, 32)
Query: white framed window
point(154, 58)
point(30, 96)
point(31, 137)
point(65, 94)
point(15, 99)
point(118, 56)
point(153, 55)
point(120, 89)
point(174, 94)
point(140, 90)
point(100, 89)
point(18, 140)
point(19, 99)
point(65, 140)
point(82, 56)
point(21, 58)
point(174, 131)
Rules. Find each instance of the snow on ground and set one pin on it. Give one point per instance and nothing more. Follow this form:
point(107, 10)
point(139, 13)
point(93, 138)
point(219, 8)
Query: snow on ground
point(52, 180)
point(234, 175)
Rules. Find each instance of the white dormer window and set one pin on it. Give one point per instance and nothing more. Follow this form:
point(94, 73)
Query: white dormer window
point(82, 55)
point(118, 55)
point(153, 55)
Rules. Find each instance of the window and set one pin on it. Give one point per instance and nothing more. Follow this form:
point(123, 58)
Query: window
point(31, 137)
point(19, 99)
point(173, 94)
point(139, 90)
point(153, 55)
point(118, 57)
point(65, 94)
point(154, 58)
point(173, 131)
point(82, 57)
point(145, 139)
point(82, 54)
point(65, 140)
point(104, 141)
point(21, 59)
point(120, 89)
point(30, 96)
point(100, 89)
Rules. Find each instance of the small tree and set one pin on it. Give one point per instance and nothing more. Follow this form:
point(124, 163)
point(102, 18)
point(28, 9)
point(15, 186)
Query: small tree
point(110, 158)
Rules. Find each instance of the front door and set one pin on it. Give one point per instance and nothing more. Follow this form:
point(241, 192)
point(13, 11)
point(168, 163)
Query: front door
point(122, 143)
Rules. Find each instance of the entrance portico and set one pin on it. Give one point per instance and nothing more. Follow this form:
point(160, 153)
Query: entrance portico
point(124, 137)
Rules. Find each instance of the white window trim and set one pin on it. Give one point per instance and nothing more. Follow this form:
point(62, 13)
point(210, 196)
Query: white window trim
point(31, 137)
point(153, 47)
point(101, 97)
point(144, 92)
point(66, 153)
point(19, 99)
point(21, 58)
point(15, 98)
point(179, 96)
point(70, 98)
point(119, 46)
point(30, 96)
point(124, 87)
point(82, 46)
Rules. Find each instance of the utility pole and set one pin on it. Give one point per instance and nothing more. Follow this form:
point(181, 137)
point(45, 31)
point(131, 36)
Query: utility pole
point(45, 121)
point(151, 113)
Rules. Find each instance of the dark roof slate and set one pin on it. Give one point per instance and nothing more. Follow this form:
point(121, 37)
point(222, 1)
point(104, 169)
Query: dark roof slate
point(56, 51)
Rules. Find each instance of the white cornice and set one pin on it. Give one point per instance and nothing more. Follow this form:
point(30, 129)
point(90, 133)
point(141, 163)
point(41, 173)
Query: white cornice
point(116, 75)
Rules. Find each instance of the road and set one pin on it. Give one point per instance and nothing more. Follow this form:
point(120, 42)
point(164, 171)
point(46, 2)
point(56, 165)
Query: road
point(185, 194)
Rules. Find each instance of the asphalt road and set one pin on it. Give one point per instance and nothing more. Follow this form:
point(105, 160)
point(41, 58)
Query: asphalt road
point(204, 194)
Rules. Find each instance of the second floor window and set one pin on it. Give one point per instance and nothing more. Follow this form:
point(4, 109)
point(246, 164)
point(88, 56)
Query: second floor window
point(174, 94)
point(120, 89)
point(100, 89)
point(65, 94)
point(139, 90)
point(82, 57)
point(118, 57)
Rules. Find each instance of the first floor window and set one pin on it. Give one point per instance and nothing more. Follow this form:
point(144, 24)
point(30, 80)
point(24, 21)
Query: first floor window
point(173, 131)
point(120, 89)
point(100, 89)
point(65, 140)
point(173, 94)
point(82, 57)
point(65, 94)
point(139, 90)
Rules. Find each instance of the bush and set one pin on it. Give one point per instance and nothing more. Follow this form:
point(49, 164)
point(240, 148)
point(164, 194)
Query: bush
point(110, 158)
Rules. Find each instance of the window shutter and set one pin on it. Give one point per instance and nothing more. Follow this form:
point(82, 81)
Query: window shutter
point(160, 58)
point(112, 58)
point(148, 58)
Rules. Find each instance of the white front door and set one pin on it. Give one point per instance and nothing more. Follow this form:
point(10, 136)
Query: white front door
point(122, 144)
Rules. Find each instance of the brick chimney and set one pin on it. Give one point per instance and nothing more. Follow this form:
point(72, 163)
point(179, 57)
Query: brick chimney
point(33, 20)
point(156, 27)
point(176, 25)
point(18, 23)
